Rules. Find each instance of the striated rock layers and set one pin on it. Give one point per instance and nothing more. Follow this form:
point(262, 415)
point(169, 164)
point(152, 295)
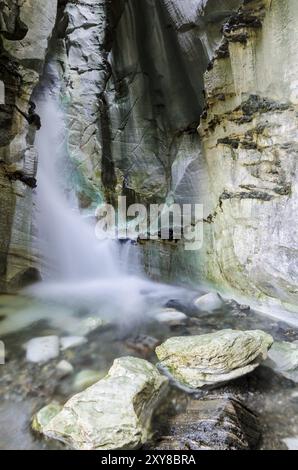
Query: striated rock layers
point(214, 423)
point(212, 359)
point(249, 136)
point(25, 28)
point(114, 413)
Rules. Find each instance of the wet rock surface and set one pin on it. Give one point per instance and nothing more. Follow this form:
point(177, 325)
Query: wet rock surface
point(215, 423)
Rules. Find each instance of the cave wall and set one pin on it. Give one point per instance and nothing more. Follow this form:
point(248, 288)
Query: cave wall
point(25, 27)
point(249, 137)
point(133, 101)
point(129, 76)
point(131, 81)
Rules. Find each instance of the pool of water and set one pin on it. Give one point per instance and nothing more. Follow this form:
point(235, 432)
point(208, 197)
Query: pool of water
point(26, 387)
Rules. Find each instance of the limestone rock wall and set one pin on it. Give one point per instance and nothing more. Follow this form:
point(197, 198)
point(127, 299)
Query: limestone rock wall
point(25, 28)
point(249, 137)
point(132, 89)
point(155, 95)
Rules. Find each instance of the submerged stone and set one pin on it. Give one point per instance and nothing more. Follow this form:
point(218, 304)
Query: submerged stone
point(42, 349)
point(171, 316)
point(64, 368)
point(214, 358)
point(209, 302)
point(283, 359)
point(143, 344)
point(115, 413)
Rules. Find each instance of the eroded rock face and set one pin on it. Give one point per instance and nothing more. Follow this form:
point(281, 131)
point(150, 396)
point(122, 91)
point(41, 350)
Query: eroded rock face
point(115, 413)
point(249, 135)
point(215, 358)
point(155, 93)
point(132, 103)
point(25, 30)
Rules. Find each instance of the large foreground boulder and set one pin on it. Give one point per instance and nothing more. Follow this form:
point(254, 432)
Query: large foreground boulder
point(114, 413)
point(215, 358)
point(212, 423)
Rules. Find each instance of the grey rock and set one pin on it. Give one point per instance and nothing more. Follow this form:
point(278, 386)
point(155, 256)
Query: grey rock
point(215, 358)
point(283, 359)
point(171, 316)
point(209, 302)
point(42, 349)
point(64, 368)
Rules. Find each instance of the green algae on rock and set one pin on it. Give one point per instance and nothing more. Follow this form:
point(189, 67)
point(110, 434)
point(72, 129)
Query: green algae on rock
point(44, 416)
point(114, 413)
point(214, 358)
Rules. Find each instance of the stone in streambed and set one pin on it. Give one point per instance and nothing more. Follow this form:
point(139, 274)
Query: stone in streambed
point(91, 323)
point(64, 368)
point(283, 359)
point(209, 302)
point(115, 413)
point(42, 349)
point(213, 359)
point(44, 416)
point(142, 344)
point(171, 317)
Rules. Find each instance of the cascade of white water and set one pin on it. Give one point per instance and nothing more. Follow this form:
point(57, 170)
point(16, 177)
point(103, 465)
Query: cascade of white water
point(68, 242)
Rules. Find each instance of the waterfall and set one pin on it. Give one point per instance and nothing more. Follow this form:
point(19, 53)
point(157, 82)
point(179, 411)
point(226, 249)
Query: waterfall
point(68, 241)
point(88, 274)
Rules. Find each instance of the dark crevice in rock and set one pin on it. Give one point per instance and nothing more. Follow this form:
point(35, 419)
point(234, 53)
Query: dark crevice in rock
point(108, 175)
point(245, 18)
point(114, 11)
point(257, 104)
point(234, 143)
point(26, 179)
point(26, 278)
point(261, 195)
